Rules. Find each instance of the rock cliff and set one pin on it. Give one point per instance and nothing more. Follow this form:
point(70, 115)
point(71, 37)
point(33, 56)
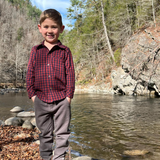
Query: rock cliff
point(140, 63)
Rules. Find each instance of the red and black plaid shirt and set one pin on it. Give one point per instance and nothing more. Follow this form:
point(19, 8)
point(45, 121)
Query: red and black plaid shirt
point(50, 74)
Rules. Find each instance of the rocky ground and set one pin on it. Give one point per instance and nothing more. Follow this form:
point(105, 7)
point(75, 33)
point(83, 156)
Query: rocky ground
point(17, 143)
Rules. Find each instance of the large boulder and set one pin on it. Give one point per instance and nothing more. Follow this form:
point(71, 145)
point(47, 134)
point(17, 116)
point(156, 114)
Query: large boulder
point(141, 58)
point(122, 83)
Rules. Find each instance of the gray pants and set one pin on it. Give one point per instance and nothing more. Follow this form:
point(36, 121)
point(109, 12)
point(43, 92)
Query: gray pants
point(44, 113)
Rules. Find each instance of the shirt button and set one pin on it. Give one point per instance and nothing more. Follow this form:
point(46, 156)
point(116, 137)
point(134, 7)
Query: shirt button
point(48, 64)
point(49, 76)
point(50, 88)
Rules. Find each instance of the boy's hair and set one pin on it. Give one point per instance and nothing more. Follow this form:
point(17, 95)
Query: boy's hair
point(51, 14)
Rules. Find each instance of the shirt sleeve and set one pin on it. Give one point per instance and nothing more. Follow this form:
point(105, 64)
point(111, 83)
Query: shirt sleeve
point(70, 75)
point(30, 77)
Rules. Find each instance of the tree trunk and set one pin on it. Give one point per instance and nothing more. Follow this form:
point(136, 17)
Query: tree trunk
point(106, 34)
point(153, 10)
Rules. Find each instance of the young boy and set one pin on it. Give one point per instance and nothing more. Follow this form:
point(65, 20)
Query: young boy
point(50, 85)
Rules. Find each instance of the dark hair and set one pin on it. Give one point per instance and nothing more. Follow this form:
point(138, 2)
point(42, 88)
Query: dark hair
point(51, 14)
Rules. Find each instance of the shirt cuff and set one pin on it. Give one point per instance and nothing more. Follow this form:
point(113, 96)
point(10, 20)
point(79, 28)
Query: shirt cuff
point(70, 93)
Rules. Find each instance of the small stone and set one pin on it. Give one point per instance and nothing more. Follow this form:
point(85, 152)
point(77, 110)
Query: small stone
point(2, 123)
point(83, 158)
point(16, 109)
point(37, 142)
point(22, 136)
point(27, 124)
point(136, 152)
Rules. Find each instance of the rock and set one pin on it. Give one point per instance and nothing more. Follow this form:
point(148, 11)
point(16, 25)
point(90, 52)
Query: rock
point(140, 59)
point(16, 109)
point(37, 142)
point(136, 152)
point(83, 158)
point(2, 123)
point(124, 84)
point(27, 124)
point(33, 121)
point(14, 121)
point(1, 92)
point(26, 114)
point(21, 136)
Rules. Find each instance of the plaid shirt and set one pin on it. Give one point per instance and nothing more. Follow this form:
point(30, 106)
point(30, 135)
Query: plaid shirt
point(50, 74)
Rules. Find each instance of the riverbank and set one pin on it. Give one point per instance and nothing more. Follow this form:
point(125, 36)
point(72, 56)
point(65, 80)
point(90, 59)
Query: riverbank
point(102, 88)
point(120, 83)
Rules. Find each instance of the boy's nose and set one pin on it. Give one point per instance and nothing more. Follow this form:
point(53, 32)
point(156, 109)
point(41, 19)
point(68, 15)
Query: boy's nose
point(49, 29)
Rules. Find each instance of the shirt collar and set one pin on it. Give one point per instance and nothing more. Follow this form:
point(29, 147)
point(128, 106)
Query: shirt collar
point(59, 44)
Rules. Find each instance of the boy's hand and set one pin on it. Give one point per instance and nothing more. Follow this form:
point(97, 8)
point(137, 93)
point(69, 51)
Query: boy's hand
point(33, 98)
point(69, 100)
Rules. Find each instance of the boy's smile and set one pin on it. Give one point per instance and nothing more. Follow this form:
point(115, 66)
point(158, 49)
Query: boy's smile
point(50, 30)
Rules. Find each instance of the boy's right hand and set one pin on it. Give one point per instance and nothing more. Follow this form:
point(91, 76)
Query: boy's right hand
point(33, 98)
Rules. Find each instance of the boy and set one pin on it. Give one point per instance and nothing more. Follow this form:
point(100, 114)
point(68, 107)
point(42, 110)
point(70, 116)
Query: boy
point(50, 85)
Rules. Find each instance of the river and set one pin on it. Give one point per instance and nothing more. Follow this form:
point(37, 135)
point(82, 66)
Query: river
point(104, 126)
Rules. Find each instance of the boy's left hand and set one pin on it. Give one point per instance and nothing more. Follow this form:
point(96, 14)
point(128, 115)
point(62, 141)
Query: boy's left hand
point(69, 100)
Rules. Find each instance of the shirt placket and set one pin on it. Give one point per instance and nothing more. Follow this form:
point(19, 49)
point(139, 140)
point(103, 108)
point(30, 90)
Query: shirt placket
point(49, 71)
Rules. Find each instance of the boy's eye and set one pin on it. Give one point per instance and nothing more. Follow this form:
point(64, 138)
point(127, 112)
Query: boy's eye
point(45, 26)
point(54, 26)
point(51, 27)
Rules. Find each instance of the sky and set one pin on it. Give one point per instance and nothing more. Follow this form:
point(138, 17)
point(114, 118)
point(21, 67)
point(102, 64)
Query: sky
point(59, 5)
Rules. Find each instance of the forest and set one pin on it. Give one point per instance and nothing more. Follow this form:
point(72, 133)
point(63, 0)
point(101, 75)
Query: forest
point(18, 33)
point(99, 31)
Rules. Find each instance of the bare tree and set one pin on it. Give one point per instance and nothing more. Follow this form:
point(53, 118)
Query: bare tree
point(106, 34)
point(153, 10)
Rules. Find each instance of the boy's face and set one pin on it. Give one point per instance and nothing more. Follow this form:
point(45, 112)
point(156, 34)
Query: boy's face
point(50, 30)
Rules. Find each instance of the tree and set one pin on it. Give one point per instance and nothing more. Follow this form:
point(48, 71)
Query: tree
point(153, 10)
point(106, 34)
point(75, 11)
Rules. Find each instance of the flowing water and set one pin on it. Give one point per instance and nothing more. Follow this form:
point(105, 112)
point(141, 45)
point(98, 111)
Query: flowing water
point(104, 126)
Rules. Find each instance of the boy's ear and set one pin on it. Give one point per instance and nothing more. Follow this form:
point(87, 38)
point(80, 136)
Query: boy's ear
point(39, 27)
point(62, 28)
